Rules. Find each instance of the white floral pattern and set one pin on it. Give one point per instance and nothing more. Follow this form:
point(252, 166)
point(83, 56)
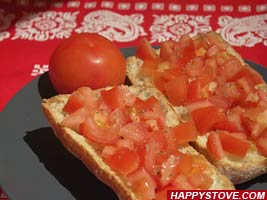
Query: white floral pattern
point(39, 69)
point(5, 22)
point(246, 31)
point(43, 26)
point(167, 27)
point(116, 27)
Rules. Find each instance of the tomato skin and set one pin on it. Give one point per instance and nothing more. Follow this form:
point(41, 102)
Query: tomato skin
point(261, 144)
point(166, 49)
point(185, 132)
point(84, 60)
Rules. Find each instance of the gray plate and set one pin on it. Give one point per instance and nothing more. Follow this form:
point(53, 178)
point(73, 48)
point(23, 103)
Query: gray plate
point(33, 163)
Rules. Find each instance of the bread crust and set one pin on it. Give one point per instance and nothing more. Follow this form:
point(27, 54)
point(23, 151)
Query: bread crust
point(238, 171)
point(88, 152)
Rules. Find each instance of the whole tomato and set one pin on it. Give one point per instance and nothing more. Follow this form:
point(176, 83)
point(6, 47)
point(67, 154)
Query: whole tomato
point(86, 59)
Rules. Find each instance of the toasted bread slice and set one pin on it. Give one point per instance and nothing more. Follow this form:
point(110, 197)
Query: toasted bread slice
point(89, 152)
point(238, 170)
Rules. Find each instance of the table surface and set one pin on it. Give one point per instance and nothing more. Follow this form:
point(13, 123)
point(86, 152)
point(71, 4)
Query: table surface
point(31, 29)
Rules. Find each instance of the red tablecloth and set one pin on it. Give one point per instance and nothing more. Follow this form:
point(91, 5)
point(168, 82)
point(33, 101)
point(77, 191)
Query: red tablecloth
point(31, 29)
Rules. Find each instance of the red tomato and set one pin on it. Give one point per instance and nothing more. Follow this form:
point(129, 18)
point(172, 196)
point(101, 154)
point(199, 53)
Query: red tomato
point(86, 59)
point(176, 90)
point(123, 160)
point(206, 117)
point(185, 132)
point(162, 194)
point(214, 145)
point(230, 142)
point(199, 180)
point(144, 50)
point(214, 38)
point(143, 183)
point(230, 69)
point(79, 98)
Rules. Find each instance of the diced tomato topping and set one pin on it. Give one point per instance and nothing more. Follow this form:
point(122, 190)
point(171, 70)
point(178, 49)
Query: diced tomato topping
point(194, 90)
point(166, 49)
point(261, 143)
point(230, 69)
point(206, 117)
point(143, 183)
point(200, 180)
point(134, 131)
point(127, 143)
point(162, 194)
point(194, 67)
point(230, 142)
point(79, 98)
point(102, 134)
point(185, 50)
point(148, 67)
point(169, 170)
point(185, 132)
point(214, 145)
point(176, 90)
point(197, 104)
point(74, 119)
point(206, 76)
point(123, 160)
point(181, 183)
point(185, 164)
point(255, 121)
point(215, 39)
point(118, 97)
point(144, 50)
point(152, 149)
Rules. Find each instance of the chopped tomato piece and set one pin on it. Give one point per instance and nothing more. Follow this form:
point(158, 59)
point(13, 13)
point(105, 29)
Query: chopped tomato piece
point(245, 87)
point(148, 67)
point(234, 115)
point(134, 131)
point(127, 143)
point(152, 149)
point(194, 90)
point(198, 103)
point(249, 74)
point(186, 164)
point(199, 180)
point(261, 144)
point(214, 145)
point(227, 125)
point(123, 160)
point(144, 50)
point(98, 133)
point(262, 94)
point(206, 76)
point(214, 38)
point(181, 183)
point(230, 142)
point(143, 183)
point(255, 121)
point(169, 170)
point(194, 67)
point(206, 117)
point(185, 50)
point(159, 80)
point(185, 132)
point(118, 97)
point(79, 98)
point(176, 90)
point(74, 119)
point(230, 69)
point(166, 49)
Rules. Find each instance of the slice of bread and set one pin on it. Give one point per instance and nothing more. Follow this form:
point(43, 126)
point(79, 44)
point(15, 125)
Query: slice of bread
point(89, 152)
point(237, 170)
